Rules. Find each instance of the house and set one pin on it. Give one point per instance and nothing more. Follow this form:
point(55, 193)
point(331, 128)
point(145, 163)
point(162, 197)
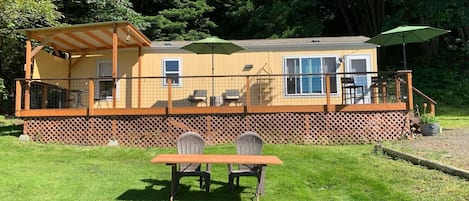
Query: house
point(106, 81)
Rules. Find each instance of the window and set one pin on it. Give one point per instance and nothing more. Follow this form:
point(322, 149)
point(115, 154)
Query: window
point(309, 78)
point(104, 85)
point(172, 69)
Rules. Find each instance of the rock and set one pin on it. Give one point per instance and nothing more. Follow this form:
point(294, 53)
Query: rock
point(113, 143)
point(24, 138)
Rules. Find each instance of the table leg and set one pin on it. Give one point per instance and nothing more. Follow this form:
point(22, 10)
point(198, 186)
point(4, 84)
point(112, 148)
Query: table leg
point(173, 181)
point(261, 181)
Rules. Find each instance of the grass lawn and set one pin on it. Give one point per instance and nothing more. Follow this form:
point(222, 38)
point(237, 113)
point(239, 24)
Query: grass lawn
point(32, 171)
point(451, 117)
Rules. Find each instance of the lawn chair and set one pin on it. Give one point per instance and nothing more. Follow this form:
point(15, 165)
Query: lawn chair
point(249, 143)
point(191, 143)
point(200, 95)
point(231, 95)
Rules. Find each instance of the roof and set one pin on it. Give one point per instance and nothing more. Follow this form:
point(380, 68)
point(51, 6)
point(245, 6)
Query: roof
point(85, 37)
point(288, 44)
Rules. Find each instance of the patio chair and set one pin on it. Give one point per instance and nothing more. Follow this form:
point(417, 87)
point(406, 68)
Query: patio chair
point(248, 143)
point(192, 143)
point(231, 95)
point(200, 95)
point(349, 90)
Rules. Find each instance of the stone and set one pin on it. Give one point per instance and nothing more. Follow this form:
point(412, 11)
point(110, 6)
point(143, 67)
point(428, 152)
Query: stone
point(24, 138)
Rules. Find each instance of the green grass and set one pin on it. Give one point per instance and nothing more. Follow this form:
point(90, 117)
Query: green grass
point(452, 117)
point(32, 171)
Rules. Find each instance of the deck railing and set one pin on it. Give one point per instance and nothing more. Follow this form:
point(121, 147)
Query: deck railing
point(214, 94)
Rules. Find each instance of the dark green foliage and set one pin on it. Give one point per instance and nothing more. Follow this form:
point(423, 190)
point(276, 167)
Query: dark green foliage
point(176, 20)
point(90, 11)
point(273, 19)
point(440, 65)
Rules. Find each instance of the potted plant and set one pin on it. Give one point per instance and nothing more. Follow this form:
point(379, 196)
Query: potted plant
point(428, 123)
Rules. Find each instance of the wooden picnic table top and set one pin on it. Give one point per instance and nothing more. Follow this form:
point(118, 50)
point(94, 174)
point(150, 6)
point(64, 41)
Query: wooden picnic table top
point(217, 158)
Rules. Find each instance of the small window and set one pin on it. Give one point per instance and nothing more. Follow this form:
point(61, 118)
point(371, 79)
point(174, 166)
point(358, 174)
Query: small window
point(104, 84)
point(172, 69)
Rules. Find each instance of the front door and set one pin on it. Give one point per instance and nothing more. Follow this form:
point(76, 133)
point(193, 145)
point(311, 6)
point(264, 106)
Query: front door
point(360, 64)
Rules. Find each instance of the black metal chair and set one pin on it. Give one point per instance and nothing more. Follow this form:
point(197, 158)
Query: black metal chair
point(248, 143)
point(349, 90)
point(191, 143)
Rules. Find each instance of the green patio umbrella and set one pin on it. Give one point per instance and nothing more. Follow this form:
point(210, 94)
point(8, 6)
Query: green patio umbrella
point(406, 34)
point(212, 45)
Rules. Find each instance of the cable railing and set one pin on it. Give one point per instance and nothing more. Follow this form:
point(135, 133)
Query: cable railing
point(231, 94)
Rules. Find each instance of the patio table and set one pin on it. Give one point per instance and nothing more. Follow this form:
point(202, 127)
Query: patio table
point(174, 159)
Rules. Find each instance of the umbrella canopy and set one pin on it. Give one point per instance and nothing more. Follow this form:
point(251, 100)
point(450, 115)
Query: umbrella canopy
point(212, 45)
point(406, 34)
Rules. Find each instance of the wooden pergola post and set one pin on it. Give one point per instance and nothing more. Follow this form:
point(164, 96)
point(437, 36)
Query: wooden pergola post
point(114, 64)
point(139, 90)
point(27, 74)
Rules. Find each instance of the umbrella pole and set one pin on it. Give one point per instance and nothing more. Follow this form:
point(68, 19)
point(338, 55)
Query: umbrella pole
point(405, 59)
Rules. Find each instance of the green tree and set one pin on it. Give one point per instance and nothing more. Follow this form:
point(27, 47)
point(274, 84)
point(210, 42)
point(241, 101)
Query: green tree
point(90, 11)
point(20, 14)
point(177, 19)
point(270, 19)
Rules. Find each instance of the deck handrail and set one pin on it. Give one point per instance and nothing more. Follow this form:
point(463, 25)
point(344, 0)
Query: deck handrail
point(92, 105)
point(432, 102)
point(423, 95)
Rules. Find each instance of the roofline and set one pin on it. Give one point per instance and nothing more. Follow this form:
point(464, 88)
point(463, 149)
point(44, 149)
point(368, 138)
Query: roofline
point(83, 27)
point(287, 44)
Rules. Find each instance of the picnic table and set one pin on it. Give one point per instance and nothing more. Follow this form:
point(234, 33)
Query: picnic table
point(174, 159)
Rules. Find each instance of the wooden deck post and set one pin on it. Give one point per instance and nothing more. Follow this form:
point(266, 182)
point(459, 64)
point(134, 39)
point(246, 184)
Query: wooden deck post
point(410, 96)
point(328, 93)
point(248, 94)
point(90, 96)
point(170, 95)
point(432, 108)
point(398, 89)
point(18, 97)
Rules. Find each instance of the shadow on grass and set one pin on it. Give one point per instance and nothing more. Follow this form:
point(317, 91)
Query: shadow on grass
point(161, 190)
point(11, 130)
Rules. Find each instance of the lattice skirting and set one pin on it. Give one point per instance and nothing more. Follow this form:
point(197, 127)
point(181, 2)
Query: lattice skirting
point(276, 128)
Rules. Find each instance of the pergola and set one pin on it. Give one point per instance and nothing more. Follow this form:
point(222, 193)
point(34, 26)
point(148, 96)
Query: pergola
point(81, 40)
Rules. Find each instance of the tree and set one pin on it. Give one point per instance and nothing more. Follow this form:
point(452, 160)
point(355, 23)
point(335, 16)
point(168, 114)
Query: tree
point(90, 11)
point(20, 14)
point(270, 19)
point(176, 20)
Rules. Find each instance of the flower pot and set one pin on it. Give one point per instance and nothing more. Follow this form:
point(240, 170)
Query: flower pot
point(430, 129)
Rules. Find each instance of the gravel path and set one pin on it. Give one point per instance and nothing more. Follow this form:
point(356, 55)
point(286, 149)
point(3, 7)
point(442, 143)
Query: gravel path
point(450, 147)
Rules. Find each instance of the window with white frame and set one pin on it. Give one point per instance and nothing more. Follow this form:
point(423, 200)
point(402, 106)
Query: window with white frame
point(172, 69)
point(104, 85)
point(306, 75)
